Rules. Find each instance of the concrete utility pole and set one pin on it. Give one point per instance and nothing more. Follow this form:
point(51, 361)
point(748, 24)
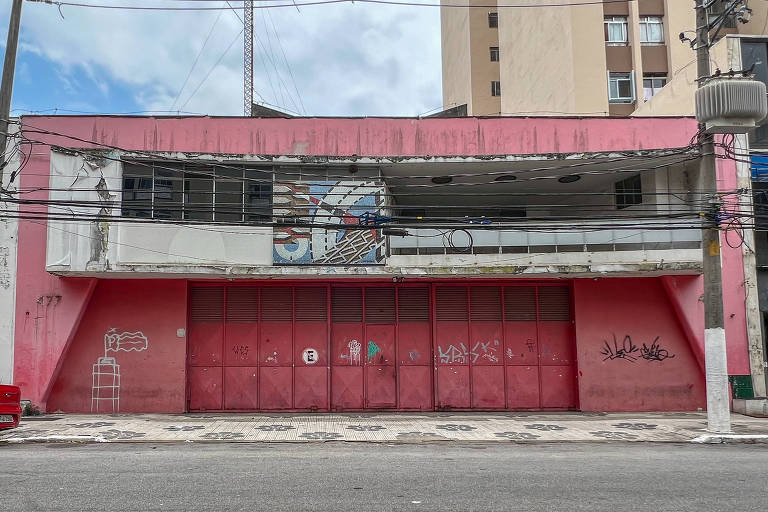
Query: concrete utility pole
point(6, 89)
point(718, 403)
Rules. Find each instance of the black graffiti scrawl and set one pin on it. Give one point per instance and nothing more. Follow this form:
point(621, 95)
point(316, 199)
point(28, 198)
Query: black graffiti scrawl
point(655, 352)
point(628, 351)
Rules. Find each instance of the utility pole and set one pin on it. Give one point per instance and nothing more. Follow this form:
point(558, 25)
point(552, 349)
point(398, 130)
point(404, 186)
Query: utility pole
point(6, 89)
point(716, 367)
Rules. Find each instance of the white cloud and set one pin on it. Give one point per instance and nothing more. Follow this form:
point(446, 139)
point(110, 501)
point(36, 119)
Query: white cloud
point(347, 59)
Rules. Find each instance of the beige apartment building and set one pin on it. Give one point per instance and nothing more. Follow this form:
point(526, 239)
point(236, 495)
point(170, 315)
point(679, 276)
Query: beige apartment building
point(599, 59)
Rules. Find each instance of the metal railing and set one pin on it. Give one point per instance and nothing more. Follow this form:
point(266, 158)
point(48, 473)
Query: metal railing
point(551, 237)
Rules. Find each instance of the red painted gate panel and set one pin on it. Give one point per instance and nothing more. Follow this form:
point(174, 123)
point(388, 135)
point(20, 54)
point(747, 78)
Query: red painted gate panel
point(415, 372)
point(451, 347)
point(380, 375)
point(345, 347)
point(311, 348)
point(276, 387)
point(241, 387)
point(415, 387)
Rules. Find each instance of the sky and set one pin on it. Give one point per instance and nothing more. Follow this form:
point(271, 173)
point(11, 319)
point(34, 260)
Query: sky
point(327, 60)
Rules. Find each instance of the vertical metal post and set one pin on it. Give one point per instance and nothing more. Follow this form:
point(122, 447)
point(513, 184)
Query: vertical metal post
point(716, 368)
point(248, 58)
point(6, 89)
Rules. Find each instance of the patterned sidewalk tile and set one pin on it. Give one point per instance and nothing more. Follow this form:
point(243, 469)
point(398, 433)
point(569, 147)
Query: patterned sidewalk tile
point(386, 427)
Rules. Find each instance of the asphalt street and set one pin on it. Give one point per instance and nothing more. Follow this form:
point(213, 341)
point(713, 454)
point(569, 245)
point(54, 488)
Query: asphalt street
point(369, 477)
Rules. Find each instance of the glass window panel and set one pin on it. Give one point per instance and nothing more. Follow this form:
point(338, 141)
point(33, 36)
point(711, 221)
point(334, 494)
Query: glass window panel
point(655, 34)
point(625, 89)
point(614, 89)
point(168, 198)
point(198, 198)
point(228, 202)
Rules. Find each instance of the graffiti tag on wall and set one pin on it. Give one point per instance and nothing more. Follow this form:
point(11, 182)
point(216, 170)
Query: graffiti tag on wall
point(338, 207)
point(628, 351)
point(460, 354)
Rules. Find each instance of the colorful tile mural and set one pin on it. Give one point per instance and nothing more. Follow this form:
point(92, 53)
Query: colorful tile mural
point(337, 207)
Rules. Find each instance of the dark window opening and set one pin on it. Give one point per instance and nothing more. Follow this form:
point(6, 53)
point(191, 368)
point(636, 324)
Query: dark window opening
point(493, 20)
point(197, 192)
point(495, 88)
point(494, 53)
point(629, 192)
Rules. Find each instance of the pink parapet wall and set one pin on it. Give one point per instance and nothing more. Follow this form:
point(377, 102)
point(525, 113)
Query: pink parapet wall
point(362, 137)
point(632, 353)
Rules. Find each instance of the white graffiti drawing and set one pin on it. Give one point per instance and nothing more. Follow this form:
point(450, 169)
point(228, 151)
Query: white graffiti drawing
point(453, 354)
point(354, 352)
point(105, 384)
point(487, 350)
point(510, 354)
point(460, 355)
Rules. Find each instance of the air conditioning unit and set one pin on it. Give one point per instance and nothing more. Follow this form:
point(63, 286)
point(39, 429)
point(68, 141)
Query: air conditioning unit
point(731, 105)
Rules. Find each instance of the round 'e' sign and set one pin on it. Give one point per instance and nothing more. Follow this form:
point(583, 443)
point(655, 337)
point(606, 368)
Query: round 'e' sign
point(309, 355)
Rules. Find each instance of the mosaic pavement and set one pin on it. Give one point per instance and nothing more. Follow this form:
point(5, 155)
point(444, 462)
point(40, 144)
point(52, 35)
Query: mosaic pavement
point(486, 427)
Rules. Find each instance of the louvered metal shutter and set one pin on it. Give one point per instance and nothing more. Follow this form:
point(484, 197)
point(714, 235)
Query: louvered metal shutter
point(311, 304)
point(554, 304)
point(242, 304)
point(276, 304)
point(451, 303)
point(413, 304)
point(380, 305)
point(520, 304)
point(206, 304)
point(485, 303)
point(347, 304)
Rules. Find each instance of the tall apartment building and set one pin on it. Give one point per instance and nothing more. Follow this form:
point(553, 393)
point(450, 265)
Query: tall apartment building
point(602, 59)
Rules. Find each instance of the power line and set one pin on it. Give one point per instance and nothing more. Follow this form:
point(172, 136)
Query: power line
point(326, 2)
point(212, 68)
point(199, 53)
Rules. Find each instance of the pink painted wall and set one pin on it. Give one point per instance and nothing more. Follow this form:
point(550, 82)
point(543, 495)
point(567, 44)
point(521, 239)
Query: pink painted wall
point(734, 289)
point(152, 380)
point(638, 308)
point(42, 338)
point(368, 136)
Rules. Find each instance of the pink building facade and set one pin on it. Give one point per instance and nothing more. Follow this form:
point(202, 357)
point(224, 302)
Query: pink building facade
point(132, 296)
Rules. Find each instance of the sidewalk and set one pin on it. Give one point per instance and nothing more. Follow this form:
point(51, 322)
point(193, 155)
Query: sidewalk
point(384, 428)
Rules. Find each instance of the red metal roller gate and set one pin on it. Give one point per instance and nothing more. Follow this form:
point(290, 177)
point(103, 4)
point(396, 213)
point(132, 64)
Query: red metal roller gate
point(381, 346)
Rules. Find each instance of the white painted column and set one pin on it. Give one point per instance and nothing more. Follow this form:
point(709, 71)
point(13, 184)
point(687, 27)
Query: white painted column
point(8, 247)
point(718, 402)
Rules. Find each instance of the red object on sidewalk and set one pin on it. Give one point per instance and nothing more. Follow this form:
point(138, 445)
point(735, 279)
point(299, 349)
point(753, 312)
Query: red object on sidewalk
point(10, 406)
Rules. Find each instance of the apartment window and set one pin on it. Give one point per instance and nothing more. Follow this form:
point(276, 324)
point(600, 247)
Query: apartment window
point(195, 191)
point(651, 30)
point(629, 192)
point(652, 84)
point(615, 30)
point(494, 54)
point(493, 20)
point(621, 88)
point(495, 88)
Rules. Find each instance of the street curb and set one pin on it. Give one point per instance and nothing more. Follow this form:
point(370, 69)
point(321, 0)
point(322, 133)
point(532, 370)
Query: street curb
point(55, 439)
point(85, 439)
point(731, 438)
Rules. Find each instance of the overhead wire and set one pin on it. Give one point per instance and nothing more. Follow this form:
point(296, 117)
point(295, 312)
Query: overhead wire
point(216, 64)
point(194, 63)
point(327, 2)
